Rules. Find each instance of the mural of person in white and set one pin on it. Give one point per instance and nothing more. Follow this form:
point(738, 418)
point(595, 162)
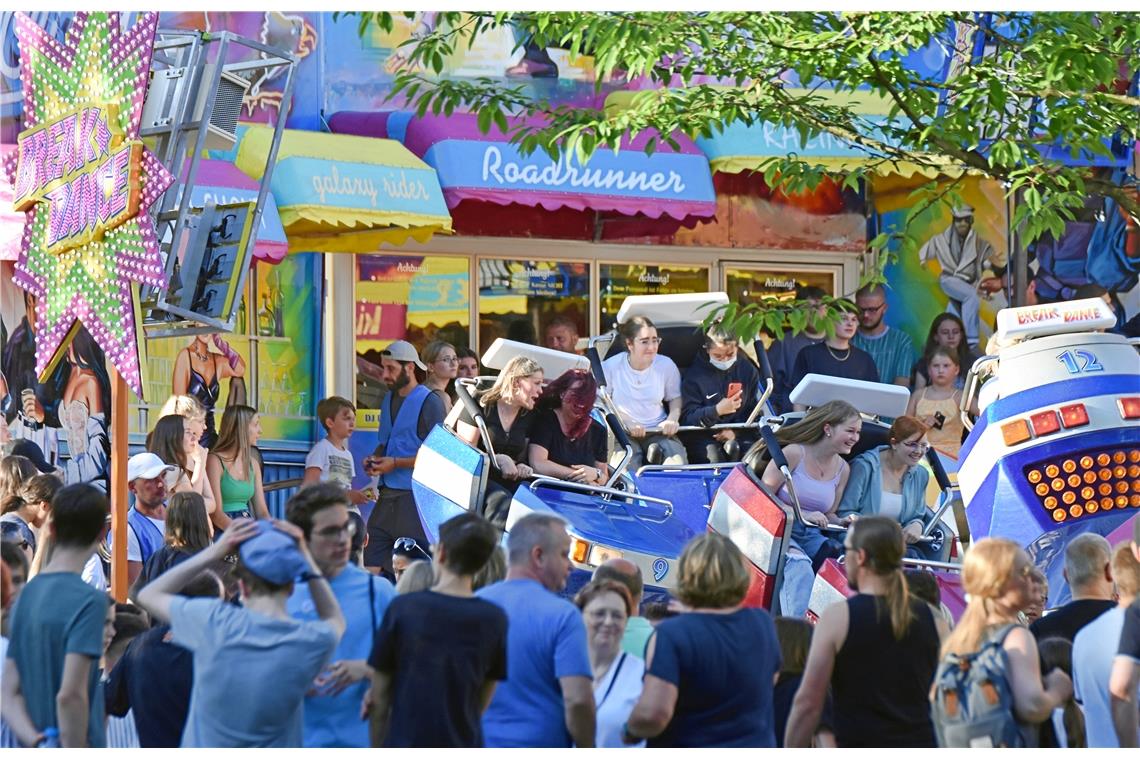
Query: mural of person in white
point(964, 256)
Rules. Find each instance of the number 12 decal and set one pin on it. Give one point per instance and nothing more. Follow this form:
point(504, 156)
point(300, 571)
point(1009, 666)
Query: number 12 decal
point(1080, 361)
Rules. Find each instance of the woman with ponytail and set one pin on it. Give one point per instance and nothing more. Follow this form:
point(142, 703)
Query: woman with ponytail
point(997, 578)
point(877, 650)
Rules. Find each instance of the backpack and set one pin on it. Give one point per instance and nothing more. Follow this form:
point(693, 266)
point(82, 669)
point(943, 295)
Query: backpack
point(973, 702)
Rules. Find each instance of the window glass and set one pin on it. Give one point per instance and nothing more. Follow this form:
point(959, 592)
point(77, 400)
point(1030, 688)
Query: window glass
point(616, 281)
point(519, 299)
point(412, 298)
point(746, 285)
point(743, 285)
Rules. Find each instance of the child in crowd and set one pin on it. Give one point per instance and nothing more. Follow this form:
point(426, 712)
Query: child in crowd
point(937, 404)
point(330, 459)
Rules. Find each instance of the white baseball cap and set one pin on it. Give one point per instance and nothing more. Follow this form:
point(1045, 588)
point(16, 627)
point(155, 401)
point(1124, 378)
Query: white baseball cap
point(403, 351)
point(147, 465)
point(961, 212)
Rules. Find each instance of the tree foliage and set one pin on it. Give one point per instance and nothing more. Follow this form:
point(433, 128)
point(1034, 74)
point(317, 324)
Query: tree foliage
point(1020, 85)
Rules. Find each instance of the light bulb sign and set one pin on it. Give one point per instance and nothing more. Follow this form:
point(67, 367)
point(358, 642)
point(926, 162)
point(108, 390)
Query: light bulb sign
point(85, 181)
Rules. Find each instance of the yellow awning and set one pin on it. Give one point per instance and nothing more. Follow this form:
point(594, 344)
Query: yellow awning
point(340, 193)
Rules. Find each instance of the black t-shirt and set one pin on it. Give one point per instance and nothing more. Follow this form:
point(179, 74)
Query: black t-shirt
point(1064, 622)
point(590, 449)
point(153, 678)
point(512, 443)
point(439, 650)
point(1130, 634)
point(784, 694)
point(881, 686)
point(820, 359)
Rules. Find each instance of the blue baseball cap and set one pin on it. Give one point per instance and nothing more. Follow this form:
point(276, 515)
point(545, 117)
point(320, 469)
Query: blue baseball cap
point(273, 555)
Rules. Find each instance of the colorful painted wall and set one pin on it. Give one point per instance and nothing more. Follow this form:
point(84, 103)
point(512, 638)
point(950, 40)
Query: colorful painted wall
point(917, 292)
point(66, 416)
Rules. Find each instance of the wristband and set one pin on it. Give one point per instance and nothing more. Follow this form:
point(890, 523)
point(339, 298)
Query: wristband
point(309, 575)
point(627, 737)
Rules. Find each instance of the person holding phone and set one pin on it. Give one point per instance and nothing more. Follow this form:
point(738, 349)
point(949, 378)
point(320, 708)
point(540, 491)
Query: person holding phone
point(719, 387)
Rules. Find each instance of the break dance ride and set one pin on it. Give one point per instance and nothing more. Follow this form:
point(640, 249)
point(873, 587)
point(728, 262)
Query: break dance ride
point(649, 515)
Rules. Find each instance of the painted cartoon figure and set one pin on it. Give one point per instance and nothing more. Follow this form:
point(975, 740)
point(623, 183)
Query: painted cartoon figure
point(965, 258)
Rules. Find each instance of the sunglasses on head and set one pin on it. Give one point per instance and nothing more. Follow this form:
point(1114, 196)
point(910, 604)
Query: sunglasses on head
point(408, 545)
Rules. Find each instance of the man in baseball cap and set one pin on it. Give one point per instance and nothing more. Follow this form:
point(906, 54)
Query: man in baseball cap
point(147, 479)
point(403, 352)
point(290, 653)
point(407, 414)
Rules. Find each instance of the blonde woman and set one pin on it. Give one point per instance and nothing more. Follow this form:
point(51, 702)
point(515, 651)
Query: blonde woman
point(507, 408)
point(442, 364)
point(193, 427)
point(997, 578)
point(718, 657)
point(235, 477)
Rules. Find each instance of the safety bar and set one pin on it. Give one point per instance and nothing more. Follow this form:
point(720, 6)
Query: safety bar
point(943, 481)
point(933, 564)
point(623, 441)
point(609, 493)
point(971, 388)
point(476, 414)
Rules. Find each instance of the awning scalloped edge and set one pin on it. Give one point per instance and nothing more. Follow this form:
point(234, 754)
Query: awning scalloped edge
point(362, 241)
point(314, 219)
point(739, 164)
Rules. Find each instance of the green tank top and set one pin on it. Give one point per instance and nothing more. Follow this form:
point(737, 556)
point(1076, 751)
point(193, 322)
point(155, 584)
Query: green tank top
point(237, 493)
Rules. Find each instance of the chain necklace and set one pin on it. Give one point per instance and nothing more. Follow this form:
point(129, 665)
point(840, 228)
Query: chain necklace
point(833, 355)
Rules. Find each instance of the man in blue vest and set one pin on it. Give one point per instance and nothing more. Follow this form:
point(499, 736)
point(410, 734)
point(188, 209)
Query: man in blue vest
point(146, 520)
point(407, 414)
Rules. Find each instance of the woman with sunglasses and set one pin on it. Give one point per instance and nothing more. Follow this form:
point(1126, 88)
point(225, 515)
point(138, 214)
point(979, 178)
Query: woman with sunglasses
point(889, 481)
point(404, 552)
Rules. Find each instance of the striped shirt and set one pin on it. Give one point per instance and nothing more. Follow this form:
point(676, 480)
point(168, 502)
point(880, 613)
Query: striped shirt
point(121, 732)
point(893, 352)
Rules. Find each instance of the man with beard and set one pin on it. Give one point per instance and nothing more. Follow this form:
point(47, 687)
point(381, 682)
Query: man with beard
point(891, 348)
point(407, 414)
point(963, 254)
point(877, 650)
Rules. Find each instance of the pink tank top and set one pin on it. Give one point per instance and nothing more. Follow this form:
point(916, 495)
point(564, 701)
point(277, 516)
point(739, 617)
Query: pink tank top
point(814, 495)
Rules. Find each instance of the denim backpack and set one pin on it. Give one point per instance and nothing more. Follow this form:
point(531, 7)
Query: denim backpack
point(973, 701)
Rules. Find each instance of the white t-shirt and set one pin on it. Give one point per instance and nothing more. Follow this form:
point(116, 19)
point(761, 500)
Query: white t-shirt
point(93, 574)
point(336, 465)
point(1093, 652)
point(639, 394)
point(134, 553)
point(615, 697)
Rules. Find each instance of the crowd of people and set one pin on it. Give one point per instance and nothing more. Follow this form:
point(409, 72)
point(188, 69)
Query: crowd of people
point(487, 652)
point(371, 636)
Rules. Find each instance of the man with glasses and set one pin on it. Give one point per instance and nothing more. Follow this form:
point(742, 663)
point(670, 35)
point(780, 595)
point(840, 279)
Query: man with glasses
point(891, 348)
point(332, 705)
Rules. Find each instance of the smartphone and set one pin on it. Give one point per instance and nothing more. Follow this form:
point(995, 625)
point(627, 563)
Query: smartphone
point(734, 388)
point(939, 420)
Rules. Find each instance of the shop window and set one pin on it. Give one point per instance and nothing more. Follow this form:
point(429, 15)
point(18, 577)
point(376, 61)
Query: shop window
point(616, 281)
point(746, 285)
point(414, 298)
point(518, 299)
